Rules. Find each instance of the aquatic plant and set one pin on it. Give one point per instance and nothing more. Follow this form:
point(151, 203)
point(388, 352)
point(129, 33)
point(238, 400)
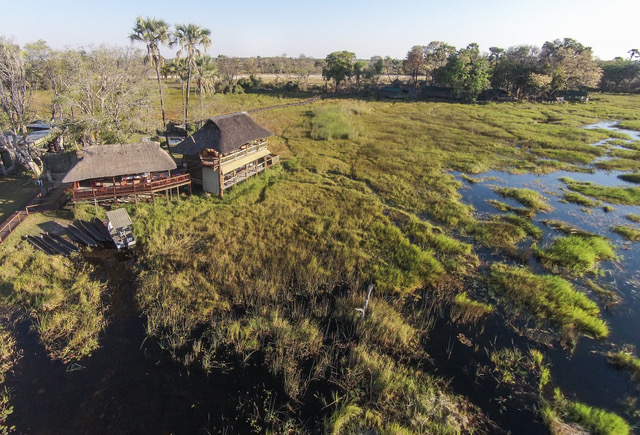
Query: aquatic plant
point(629, 125)
point(527, 197)
point(576, 254)
point(615, 195)
point(548, 297)
point(62, 299)
point(595, 420)
point(466, 310)
point(632, 178)
point(579, 199)
point(626, 359)
point(633, 217)
point(628, 232)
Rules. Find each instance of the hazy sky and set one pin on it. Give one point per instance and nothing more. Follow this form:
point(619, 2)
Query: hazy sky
point(372, 27)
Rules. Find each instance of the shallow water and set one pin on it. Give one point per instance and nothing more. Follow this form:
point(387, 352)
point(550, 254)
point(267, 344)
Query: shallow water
point(585, 373)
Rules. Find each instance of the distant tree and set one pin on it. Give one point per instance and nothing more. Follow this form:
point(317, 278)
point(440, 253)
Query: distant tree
point(436, 55)
point(189, 37)
point(513, 68)
point(620, 75)
point(467, 72)
point(392, 67)
point(153, 33)
point(103, 93)
point(571, 64)
point(374, 68)
point(339, 67)
point(359, 69)
point(495, 53)
point(14, 87)
point(415, 62)
point(634, 52)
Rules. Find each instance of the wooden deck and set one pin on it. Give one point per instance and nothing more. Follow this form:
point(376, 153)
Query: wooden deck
point(130, 189)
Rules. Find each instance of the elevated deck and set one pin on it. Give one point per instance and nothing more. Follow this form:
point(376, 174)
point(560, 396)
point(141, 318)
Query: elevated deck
point(129, 189)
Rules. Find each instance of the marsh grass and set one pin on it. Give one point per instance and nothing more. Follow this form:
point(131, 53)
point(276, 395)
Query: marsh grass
point(632, 178)
point(548, 297)
point(576, 254)
point(595, 420)
point(567, 228)
point(614, 195)
point(629, 125)
point(633, 218)
point(628, 232)
point(63, 301)
point(609, 296)
point(579, 199)
point(329, 123)
point(466, 310)
point(627, 360)
point(524, 223)
point(527, 197)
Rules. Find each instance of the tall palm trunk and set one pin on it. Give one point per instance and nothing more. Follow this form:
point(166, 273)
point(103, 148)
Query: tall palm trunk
point(186, 109)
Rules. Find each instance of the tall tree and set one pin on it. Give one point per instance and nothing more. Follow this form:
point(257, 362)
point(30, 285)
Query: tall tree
point(339, 66)
point(513, 69)
point(467, 72)
point(436, 54)
point(153, 33)
point(189, 38)
point(571, 64)
point(14, 88)
point(206, 73)
point(415, 62)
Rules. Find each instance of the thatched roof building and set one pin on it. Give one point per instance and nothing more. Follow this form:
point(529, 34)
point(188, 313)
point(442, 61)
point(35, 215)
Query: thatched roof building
point(223, 134)
point(102, 161)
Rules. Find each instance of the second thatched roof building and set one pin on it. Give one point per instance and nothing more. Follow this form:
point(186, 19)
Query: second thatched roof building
point(226, 150)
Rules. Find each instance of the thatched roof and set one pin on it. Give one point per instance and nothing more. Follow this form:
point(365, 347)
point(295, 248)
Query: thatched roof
point(224, 134)
point(101, 161)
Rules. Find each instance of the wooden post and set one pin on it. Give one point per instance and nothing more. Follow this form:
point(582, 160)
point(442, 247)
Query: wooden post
point(220, 175)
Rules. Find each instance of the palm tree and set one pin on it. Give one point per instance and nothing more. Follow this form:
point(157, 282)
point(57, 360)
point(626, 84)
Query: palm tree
point(205, 79)
point(153, 33)
point(188, 37)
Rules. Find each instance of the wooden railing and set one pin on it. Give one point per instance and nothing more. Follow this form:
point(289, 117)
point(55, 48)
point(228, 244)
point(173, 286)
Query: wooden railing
point(131, 189)
point(8, 227)
point(238, 154)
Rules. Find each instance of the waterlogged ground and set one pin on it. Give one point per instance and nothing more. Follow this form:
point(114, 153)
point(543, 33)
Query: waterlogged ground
point(583, 373)
point(239, 315)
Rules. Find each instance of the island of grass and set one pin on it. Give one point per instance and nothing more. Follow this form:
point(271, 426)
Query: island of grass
point(527, 197)
point(628, 232)
point(576, 198)
point(576, 254)
point(614, 195)
point(548, 297)
point(632, 178)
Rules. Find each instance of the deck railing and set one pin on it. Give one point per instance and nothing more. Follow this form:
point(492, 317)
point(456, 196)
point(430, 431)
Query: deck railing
point(131, 189)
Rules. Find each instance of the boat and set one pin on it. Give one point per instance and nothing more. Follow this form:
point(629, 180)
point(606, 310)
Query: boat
point(91, 230)
point(72, 247)
point(102, 228)
point(58, 249)
point(38, 244)
point(81, 237)
point(120, 228)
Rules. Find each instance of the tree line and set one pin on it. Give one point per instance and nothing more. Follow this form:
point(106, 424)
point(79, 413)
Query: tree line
point(103, 94)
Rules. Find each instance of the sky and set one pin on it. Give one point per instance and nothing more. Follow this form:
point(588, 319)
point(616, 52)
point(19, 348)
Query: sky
point(247, 28)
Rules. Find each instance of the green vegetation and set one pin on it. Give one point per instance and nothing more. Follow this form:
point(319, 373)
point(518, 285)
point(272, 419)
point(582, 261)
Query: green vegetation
point(527, 197)
point(14, 193)
point(579, 199)
point(331, 123)
point(606, 295)
point(466, 310)
point(614, 195)
point(633, 218)
point(525, 224)
point(628, 232)
point(577, 254)
point(567, 228)
point(594, 420)
point(632, 178)
point(62, 300)
point(8, 358)
point(629, 125)
point(627, 360)
point(548, 297)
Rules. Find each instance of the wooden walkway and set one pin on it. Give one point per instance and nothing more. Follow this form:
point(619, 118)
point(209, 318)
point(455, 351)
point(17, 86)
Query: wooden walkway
point(34, 204)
